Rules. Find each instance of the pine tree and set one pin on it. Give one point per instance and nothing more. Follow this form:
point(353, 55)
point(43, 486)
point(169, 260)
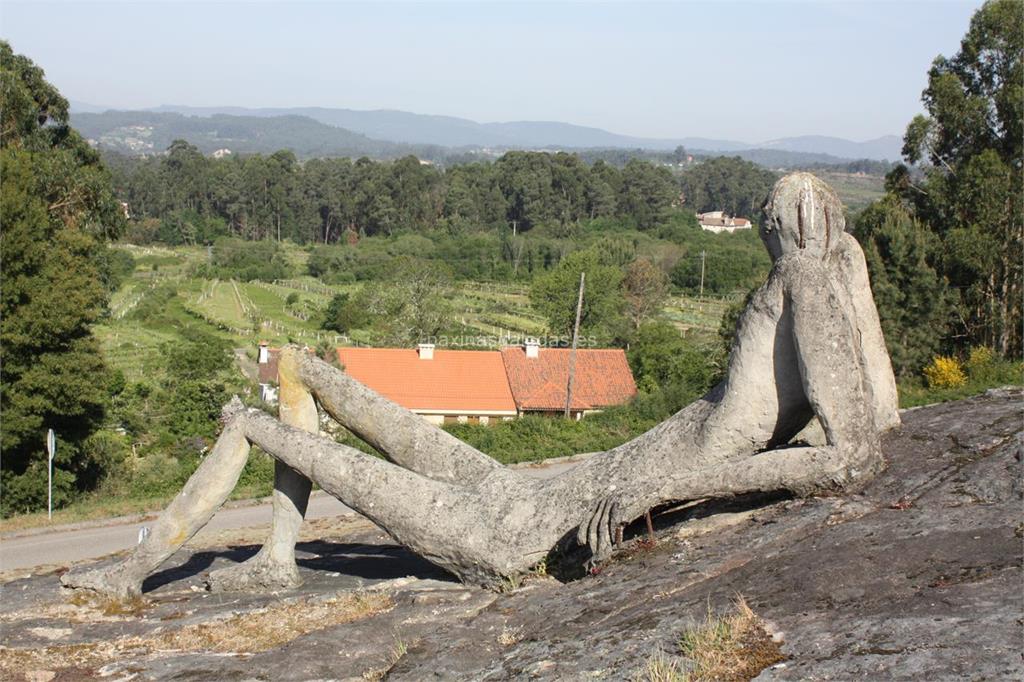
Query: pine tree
point(56, 208)
point(914, 303)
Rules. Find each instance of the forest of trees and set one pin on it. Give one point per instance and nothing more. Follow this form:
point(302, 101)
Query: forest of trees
point(506, 220)
point(197, 198)
point(945, 245)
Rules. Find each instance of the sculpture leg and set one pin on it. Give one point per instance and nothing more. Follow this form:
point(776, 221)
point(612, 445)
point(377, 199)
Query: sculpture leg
point(274, 566)
point(456, 528)
point(403, 437)
point(202, 496)
point(478, 532)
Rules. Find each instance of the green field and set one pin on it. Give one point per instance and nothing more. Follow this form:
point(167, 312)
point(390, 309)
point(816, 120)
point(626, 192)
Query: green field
point(855, 190)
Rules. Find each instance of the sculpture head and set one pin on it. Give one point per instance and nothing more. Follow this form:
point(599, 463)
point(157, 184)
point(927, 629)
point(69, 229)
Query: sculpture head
point(802, 214)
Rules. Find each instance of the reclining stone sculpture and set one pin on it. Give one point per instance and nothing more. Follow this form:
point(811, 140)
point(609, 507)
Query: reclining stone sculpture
point(808, 350)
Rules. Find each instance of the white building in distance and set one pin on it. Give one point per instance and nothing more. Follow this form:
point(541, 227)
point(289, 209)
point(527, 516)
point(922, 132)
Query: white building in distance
point(718, 221)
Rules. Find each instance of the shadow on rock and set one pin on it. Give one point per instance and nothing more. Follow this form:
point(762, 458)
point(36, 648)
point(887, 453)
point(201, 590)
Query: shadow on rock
point(357, 560)
point(372, 562)
point(196, 564)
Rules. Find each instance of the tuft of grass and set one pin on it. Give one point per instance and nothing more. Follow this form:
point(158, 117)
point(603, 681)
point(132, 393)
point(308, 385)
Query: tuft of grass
point(509, 583)
point(661, 668)
point(108, 606)
point(734, 647)
point(510, 635)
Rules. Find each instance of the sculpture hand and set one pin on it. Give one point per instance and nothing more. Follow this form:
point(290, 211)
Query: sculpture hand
point(600, 529)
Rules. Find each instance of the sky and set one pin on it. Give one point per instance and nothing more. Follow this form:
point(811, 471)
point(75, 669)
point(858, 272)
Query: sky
point(753, 71)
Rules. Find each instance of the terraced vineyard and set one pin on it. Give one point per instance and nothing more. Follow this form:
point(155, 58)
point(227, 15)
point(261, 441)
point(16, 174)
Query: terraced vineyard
point(485, 314)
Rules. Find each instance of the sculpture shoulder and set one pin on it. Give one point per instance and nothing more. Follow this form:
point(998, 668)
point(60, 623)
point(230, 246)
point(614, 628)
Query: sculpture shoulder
point(850, 257)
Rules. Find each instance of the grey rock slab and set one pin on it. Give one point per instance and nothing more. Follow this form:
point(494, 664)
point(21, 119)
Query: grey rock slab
point(857, 588)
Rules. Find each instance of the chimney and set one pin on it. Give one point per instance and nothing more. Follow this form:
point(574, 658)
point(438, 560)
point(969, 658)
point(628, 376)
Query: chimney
point(532, 348)
point(264, 353)
point(426, 351)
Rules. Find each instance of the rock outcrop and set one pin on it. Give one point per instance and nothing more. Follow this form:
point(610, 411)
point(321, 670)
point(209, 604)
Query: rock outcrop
point(917, 576)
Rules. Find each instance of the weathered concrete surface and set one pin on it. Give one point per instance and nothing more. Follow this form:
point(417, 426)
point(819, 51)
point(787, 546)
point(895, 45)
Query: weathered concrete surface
point(918, 576)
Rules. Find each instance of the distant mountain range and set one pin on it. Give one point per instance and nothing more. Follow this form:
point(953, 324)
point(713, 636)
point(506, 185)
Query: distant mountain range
point(387, 132)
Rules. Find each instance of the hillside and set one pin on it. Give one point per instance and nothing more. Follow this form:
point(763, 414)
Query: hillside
point(140, 132)
point(883, 148)
point(402, 127)
point(916, 577)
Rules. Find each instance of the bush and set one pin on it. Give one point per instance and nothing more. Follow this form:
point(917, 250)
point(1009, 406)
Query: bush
point(257, 478)
point(104, 455)
point(198, 355)
point(981, 363)
point(732, 262)
point(154, 303)
point(661, 357)
point(945, 372)
point(534, 437)
point(247, 261)
point(344, 314)
point(160, 475)
point(27, 492)
point(116, 265)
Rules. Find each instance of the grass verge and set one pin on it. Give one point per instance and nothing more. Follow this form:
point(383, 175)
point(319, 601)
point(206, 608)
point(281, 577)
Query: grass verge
point(98, 507)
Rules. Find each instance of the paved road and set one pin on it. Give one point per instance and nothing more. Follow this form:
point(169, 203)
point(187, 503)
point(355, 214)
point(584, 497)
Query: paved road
point(68, 545)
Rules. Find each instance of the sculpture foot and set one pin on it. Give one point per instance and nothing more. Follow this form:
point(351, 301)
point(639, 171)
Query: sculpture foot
point(111, 582)
point(258, 574)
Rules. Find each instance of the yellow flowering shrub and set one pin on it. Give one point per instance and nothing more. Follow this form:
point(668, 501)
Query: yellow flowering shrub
point(945, 372)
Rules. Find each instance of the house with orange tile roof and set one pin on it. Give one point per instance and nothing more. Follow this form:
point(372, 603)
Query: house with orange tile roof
point(538, 378)
point(480, 386)
point(444, 386)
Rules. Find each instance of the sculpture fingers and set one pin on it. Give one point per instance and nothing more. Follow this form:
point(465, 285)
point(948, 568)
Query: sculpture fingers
point(594, 533)
point(583, 532)
point(611, 525)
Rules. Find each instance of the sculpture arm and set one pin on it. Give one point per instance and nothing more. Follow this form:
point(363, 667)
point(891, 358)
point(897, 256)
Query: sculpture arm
point(831, 367)
point(878, 366)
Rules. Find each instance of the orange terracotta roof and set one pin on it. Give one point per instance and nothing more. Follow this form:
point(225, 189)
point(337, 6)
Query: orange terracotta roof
point(602, 378)
point(453, 380)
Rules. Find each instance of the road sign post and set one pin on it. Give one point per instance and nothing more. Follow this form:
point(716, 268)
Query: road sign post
point(51, 450)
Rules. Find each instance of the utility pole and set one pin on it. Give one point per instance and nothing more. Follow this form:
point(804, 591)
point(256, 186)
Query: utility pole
point(703, 257)
point(575, 340)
